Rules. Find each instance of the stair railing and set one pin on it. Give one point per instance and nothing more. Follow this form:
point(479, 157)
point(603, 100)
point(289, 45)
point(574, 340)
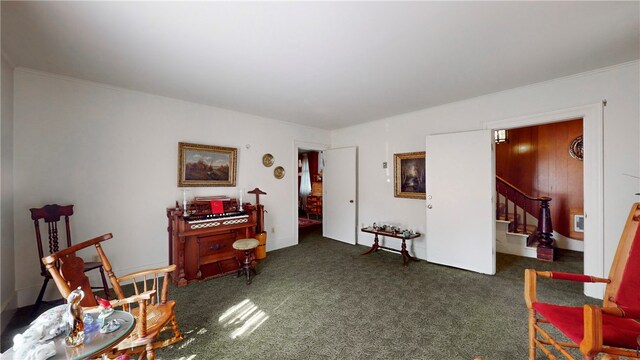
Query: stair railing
point(519, 198)
point(544, 230)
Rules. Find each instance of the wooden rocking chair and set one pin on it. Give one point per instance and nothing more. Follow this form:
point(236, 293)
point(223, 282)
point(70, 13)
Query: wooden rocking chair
point(612, 329)
point(153, 313)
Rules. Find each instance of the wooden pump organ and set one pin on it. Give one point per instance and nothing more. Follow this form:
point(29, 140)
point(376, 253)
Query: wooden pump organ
point(200, 241)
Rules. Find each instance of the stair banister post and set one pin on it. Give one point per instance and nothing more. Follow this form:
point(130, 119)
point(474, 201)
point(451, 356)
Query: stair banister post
point(545, 231)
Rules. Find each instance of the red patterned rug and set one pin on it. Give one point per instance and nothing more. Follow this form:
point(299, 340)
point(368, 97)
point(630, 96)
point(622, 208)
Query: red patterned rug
point(304, 222)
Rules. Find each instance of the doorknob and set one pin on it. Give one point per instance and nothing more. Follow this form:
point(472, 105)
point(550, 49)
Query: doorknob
point(351, 201)
point(429, 206)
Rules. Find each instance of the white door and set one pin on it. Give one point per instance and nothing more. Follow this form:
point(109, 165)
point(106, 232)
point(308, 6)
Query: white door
point(460, 205)
point(339, 195)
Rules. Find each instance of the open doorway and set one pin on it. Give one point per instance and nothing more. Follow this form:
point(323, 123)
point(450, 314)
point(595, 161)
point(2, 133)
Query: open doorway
point(310, 174)
point(308, 222)
point(531, 163)
point(593, 179)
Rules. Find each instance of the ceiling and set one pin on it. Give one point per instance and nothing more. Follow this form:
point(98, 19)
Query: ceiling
point(322, 64)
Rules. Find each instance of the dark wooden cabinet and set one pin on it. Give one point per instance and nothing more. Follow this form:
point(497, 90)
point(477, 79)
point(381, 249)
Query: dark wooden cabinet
point(203, 249)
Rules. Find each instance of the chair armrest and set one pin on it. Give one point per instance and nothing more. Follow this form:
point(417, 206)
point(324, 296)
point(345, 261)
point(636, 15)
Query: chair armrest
point(162, 270)
point(571, 277)
point(530, 296)
point(530, 280)
point(622, 311)
point(591, 343)
point(133, 299)
point(141, 319)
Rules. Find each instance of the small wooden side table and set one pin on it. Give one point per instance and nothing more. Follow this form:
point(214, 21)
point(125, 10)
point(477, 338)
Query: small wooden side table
point(405, 254)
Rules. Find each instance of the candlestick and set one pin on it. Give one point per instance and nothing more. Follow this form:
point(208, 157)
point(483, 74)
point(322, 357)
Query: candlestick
point(240, 198)
point(185, 203)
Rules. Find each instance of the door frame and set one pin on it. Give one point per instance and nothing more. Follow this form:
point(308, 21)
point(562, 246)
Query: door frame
point(297, 145)
point(593, 177)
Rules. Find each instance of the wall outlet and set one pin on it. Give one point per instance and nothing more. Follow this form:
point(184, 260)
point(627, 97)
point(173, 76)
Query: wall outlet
point(273, 230)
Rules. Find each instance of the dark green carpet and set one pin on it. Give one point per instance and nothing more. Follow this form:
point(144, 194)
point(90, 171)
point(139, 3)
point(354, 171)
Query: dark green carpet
point(322, 300)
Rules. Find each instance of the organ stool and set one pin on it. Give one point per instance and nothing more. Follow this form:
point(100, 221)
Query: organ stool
point(246, 245)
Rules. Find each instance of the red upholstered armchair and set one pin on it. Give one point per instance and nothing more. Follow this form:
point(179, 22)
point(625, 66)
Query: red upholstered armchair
point(611, 329)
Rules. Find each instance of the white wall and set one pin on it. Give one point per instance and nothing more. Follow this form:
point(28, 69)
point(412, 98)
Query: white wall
point(7, 289)
point(379, 140)
point(113, 153)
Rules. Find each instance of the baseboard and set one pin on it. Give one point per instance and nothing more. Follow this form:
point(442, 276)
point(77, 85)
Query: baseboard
point(567, 243)
point(274, 243)
point(5, 318)
point(561, 242)
point(10, 303)
point(514, 244)
point(516, 250)
point(8, 309)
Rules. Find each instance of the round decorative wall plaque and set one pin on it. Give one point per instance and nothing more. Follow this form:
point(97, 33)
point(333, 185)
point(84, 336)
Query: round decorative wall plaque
point(278, 172)
point(267, 160)
point(576, 149)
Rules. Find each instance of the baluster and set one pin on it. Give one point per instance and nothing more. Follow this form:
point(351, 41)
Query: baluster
point(515, 214)
point(524, 205)
point(506, 205)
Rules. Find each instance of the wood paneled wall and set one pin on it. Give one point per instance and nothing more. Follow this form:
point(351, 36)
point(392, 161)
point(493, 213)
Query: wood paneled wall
point(536, 159)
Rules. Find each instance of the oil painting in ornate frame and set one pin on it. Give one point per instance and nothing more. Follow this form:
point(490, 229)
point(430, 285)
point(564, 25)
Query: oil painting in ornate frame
point(410, 175)
point(206, 165)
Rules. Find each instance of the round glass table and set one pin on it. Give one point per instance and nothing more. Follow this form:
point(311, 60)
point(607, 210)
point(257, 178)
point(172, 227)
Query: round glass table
point(95, 342)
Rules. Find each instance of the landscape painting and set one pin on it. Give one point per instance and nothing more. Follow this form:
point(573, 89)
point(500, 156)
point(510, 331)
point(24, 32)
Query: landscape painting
point(410, 175)
point(206, 165)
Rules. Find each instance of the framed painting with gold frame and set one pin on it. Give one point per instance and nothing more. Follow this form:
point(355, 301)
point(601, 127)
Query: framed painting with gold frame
point(206, 165)
point(410, 175)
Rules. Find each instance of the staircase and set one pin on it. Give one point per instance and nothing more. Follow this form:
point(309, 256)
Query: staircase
point(518, 230)
point(520, 241)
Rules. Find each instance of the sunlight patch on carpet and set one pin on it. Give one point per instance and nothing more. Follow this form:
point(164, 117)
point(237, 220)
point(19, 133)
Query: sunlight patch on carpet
point(186, 343)
point(245, 317)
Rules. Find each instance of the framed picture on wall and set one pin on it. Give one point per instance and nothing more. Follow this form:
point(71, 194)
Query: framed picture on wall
point(206, 165)
point(410, 175)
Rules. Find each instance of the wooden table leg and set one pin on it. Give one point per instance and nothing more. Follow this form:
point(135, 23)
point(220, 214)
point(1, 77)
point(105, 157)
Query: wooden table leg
point(374, 247)
point(405, 254)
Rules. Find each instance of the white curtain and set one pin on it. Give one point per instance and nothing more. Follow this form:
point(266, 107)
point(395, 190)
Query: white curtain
point(305, 180)
point(320, 162)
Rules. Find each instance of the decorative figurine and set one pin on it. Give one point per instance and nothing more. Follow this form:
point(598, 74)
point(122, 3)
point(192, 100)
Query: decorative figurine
point(90, 324)
point(74, 319)
point(105, 310)
point(375, 226)
point(110, 326)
